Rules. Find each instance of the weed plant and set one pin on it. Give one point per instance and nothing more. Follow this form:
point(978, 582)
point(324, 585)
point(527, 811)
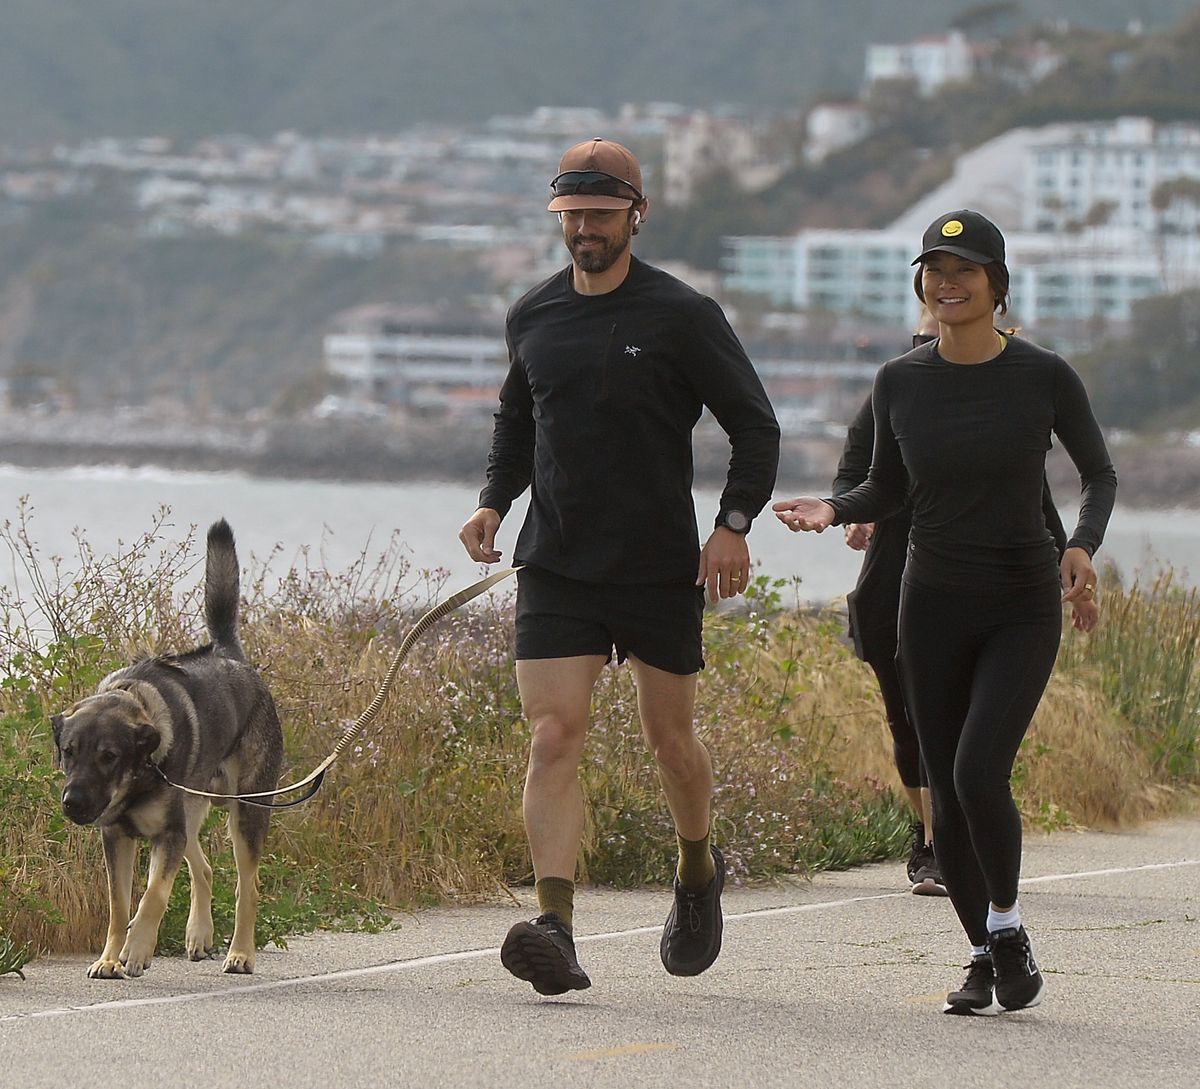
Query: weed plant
point(426, 806)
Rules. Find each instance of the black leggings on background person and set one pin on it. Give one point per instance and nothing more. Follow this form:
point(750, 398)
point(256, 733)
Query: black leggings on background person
point(905, 748)
point(991, 655)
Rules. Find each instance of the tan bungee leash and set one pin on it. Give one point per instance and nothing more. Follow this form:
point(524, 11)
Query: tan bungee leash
point(316, 777)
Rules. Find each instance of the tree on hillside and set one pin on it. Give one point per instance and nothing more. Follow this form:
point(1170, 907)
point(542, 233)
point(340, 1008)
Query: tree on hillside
point(987, 16)
point(1150, 380)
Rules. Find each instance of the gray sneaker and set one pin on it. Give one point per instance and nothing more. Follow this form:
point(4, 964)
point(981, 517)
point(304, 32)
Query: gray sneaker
point(926, 878)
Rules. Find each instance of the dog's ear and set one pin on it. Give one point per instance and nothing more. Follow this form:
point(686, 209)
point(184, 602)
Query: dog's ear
point(56, 729)
point(145, 740)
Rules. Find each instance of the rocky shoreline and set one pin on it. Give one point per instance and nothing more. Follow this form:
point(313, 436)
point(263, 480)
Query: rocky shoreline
point(1152, 476)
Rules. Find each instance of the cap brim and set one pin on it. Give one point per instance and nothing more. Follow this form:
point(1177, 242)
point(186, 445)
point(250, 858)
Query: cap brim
point(957, 251)
point(578, 201)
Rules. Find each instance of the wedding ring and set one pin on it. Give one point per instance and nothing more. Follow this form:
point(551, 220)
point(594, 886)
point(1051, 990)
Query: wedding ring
point(1089, 586)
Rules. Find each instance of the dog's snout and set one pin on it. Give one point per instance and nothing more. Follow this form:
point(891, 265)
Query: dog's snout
point(74, 806)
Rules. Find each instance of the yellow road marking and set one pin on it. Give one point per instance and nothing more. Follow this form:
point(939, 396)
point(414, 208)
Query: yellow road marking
point(926, 999)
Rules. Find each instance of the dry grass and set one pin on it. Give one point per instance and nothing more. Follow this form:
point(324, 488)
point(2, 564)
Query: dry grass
point(427, 808)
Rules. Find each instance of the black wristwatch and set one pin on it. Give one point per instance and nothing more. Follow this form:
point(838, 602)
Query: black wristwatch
point(735, 520)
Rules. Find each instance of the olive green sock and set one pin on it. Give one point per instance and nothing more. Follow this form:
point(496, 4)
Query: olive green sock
point(556, 894)
point(696, 867)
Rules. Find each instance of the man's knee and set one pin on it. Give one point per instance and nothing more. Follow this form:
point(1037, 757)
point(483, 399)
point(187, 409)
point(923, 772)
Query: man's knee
point(555, 741)
point(679, 753)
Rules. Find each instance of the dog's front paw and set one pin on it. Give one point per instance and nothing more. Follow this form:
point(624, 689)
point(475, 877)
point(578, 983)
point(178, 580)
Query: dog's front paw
point(200, 946)
point(136, 957)
point(107, 969)
point(239, 964)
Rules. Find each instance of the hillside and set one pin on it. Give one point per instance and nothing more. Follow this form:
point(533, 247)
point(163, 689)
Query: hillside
point(77, 68)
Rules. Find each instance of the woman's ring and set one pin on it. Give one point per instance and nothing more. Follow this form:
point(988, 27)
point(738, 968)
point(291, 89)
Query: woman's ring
point(1089, 586)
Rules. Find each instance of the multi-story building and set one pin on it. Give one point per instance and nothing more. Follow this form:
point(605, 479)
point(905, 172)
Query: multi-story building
point(929, 61)
point(417, 363)
point(1096, 215)
point(1117, 173)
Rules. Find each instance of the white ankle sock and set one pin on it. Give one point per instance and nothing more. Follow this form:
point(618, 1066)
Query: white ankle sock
point(978, 951)
point(1003, 920)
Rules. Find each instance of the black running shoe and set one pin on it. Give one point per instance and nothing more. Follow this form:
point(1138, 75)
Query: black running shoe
point(917, 852)
point(542, 952)
point(976, 995)
point(1019, 984)
point(927, 878)
point(692, 935)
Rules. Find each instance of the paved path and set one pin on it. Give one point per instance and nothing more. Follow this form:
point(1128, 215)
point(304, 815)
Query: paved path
point(837, 982)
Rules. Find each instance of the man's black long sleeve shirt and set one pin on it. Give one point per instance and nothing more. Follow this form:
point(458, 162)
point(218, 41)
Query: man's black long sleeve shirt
point(596, 416)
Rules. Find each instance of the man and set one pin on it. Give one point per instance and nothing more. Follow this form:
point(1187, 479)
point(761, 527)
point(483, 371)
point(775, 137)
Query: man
point(611, 364)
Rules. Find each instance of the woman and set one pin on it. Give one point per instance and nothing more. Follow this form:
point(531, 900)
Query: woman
point(962, 426)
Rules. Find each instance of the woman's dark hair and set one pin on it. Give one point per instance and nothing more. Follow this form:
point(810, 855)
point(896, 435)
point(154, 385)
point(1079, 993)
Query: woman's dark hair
point(998, 281)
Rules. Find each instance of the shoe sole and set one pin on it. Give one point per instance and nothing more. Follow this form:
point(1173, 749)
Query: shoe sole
point(1037, 997)
point(965, 1009)
point(531, 956)
point(929, 887)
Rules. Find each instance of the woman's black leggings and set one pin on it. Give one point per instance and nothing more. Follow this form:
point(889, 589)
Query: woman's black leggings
point(974, 667)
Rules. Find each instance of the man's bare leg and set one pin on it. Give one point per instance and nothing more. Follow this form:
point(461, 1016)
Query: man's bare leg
point(556, 694)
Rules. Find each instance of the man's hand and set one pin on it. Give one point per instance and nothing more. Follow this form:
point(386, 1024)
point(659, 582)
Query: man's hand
point(1084, 615)
point(805, 512)
point(478, 535)
point(724, 564)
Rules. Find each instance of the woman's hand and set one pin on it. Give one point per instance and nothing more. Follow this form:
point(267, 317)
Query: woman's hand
point(805, 512)
point(1078, 576)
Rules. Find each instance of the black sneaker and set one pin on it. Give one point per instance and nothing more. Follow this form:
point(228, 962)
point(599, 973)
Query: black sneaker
point(1019, 984)
point(692, 935)
point(918, 850)
point(542, 952)
point(976, 995)
point(927, 878)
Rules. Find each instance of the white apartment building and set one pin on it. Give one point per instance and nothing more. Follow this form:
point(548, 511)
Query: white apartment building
point(437, 372)
point(1096, 216)
point(931, 61)
point(1113, 173)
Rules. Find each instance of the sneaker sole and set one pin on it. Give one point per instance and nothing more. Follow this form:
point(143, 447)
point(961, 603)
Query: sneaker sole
point(965, 1009)
point(530, 956)
point(929, 887)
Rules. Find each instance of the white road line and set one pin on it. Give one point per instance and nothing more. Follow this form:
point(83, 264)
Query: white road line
point(479, 954)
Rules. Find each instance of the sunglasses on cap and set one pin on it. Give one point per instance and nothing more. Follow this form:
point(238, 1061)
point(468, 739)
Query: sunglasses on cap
point(592, 183)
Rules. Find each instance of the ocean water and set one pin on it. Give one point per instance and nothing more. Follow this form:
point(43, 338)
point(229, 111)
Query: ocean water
point(279, 523)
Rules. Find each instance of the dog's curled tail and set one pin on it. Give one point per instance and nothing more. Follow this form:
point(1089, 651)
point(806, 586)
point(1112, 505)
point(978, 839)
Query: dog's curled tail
point(222, 587)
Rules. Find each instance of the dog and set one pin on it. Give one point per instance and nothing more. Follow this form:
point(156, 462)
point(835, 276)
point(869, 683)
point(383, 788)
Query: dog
point(205, 720)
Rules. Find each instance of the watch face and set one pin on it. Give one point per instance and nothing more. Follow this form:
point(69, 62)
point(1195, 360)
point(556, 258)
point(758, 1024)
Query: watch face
point(737, 521)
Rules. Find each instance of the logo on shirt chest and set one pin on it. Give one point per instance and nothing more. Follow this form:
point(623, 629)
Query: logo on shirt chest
point(632, 349)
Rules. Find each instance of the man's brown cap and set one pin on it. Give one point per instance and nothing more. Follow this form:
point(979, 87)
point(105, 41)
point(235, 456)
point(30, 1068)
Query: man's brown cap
point(597, 174)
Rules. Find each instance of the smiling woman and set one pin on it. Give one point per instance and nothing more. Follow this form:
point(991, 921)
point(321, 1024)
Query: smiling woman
point(962, 427)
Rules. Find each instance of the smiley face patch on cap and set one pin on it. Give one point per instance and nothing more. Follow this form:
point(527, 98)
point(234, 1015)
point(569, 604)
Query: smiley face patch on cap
point(964, 233)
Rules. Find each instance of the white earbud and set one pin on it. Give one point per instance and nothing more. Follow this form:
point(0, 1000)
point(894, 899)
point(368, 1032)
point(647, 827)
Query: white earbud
point(637, 218)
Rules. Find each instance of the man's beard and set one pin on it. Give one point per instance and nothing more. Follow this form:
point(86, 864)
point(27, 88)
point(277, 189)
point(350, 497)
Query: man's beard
point(602, 259)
